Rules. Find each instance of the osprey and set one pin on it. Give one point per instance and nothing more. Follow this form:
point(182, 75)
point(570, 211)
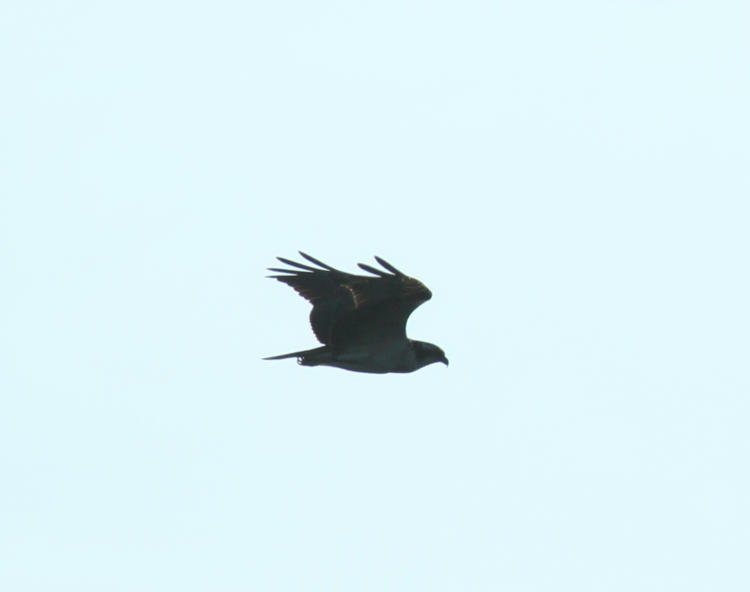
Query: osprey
point(360, 319)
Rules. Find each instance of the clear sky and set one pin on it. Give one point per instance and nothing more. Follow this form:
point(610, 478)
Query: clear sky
point(569, 178)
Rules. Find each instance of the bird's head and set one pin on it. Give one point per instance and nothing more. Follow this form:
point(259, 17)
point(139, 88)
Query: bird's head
point(428, 353)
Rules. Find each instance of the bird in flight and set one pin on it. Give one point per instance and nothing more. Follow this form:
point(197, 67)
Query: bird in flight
point(359, 319)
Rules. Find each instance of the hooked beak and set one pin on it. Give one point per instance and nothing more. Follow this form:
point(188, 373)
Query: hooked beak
point(444, 360)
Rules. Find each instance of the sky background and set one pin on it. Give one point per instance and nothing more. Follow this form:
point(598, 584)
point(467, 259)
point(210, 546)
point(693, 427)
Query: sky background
point(569, 178)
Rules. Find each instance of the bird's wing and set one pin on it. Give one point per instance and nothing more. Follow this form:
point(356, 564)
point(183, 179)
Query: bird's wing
point(349, 307)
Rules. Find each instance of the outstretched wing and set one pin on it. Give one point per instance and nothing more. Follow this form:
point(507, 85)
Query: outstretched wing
point(349, 307)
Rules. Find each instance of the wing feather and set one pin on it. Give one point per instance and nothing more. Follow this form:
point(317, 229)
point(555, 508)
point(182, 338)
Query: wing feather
point(295, 264)
point(372, 269)
point(317, 262)
point(388, 266)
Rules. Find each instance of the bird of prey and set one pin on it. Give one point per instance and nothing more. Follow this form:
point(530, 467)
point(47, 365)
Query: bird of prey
point(360, 319)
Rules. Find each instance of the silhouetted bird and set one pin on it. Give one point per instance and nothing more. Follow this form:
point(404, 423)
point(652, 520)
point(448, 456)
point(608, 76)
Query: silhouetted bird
point(360, 319)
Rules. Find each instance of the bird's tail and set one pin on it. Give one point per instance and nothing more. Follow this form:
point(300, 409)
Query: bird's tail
point(306, 357)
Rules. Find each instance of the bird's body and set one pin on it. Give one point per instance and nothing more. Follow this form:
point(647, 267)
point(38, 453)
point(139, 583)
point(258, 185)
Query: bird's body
point(360, 320)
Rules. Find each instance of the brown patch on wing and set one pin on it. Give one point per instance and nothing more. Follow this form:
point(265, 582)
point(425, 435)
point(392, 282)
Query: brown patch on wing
point(357, 296)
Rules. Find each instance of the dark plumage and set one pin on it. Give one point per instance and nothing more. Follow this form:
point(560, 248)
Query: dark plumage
point(360, 319)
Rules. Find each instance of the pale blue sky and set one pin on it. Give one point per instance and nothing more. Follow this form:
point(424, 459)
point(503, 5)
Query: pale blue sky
point(571, 181)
